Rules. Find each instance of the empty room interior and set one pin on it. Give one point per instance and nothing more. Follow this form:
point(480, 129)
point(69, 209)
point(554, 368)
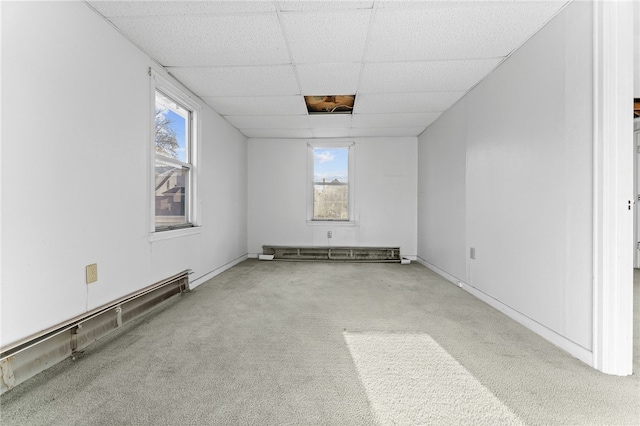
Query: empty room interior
point(320, 212)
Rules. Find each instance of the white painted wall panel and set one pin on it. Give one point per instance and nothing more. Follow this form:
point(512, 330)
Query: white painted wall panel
point(636, 50)
point(223, 196)
point(386, 187)
point(385, 195)
point(528, 179)
point(75, 171)
point(441, 192)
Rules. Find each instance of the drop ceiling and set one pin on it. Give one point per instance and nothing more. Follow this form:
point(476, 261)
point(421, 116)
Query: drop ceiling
point(254, 61)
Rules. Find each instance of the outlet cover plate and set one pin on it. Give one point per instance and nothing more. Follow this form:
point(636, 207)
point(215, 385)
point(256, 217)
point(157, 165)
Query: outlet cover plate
point(92, 273)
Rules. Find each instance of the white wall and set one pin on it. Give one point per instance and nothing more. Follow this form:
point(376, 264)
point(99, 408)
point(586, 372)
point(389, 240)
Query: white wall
point(442, 191)
point(636, 94)
point(385, 196)
point(636, 49)
point(522, 139)
point(75, 171)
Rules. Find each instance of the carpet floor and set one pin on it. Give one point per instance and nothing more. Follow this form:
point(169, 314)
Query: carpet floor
point(284, 343)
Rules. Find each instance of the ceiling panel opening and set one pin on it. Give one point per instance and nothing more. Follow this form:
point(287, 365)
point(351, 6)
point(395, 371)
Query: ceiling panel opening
point(330, 104)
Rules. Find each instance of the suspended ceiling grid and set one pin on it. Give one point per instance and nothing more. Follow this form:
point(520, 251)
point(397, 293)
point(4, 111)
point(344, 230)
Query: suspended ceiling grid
point(253, 61)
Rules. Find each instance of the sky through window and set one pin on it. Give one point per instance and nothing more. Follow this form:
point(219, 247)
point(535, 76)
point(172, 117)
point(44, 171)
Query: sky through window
point(330, 164)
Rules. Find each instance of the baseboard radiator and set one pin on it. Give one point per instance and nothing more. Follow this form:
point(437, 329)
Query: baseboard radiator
point(339, 254)
point(25, 358)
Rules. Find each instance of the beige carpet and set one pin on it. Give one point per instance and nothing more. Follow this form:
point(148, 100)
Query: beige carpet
point(411, 380)
point(264, 343)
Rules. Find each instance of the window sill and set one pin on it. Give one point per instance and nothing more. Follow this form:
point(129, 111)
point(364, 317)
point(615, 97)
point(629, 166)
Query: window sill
point(173, 233)
point(331, 222)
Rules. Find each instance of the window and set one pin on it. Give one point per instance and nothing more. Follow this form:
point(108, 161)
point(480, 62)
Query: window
point(331, 190)
point(174, 159)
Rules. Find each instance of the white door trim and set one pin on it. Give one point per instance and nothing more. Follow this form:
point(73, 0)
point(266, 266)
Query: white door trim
point(636, 191)
point(613, 187)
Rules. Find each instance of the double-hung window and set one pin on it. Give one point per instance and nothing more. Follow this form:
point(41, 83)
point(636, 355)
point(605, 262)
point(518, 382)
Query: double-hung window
point(174, 158)
point(331, 182)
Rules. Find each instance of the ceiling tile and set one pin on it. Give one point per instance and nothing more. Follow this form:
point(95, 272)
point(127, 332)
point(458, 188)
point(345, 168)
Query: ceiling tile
point(278, 133)
point(239, 81)
point(367, 103)
point(394, 120)
point(438, 76)
point(268, 121)
point(386, 131)
point(258, 105)
point(326, 36)
point(422, 4)
point(330, 121)
point(328, 79)
point(452, 30)
point(254, 39)
point(324, 5)
point(253, 60)
point(404, 4)
point(330, 133)
point(165, 8)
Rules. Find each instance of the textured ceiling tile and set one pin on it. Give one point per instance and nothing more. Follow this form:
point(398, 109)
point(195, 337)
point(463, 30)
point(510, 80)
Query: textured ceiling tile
point(330, 121)
point(386, 131)
point(367, 103)
point(258, 105)
point(278, 133)
point(239, 81)
point(328, 79)
point(326, 36)
point(439, 76)
point(394, 120)
point(330, 133)
point(234, 55)
point(324, 5)
point(404, 4)
point(456, 30)
point(208, 40)
point(166, 8)
point(268, 121)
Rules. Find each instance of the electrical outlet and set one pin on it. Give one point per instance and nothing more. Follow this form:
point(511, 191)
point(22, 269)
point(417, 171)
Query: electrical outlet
point(329, 234)
point(92, 273)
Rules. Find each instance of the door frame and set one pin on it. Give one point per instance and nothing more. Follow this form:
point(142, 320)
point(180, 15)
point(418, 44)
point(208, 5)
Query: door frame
point(636, 191)
point(613, 212)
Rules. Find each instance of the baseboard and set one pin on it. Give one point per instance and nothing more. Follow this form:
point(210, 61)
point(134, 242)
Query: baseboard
point(439, 271)
point(558, 340)
point(206, 277)
point(36, 353)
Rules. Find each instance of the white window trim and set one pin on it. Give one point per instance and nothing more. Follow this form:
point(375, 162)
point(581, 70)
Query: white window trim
point(173, 233)
point(162, 84)
point(352, 206)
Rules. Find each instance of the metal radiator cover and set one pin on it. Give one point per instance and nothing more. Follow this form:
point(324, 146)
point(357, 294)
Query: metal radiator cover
point(340, 254)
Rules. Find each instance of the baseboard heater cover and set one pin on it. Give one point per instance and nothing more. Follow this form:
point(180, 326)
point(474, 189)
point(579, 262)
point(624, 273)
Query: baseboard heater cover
point(340, 254)
point(27, 357)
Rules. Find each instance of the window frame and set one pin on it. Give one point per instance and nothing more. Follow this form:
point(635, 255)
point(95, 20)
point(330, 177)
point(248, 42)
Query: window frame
point(351, 147)
point(181, 97)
